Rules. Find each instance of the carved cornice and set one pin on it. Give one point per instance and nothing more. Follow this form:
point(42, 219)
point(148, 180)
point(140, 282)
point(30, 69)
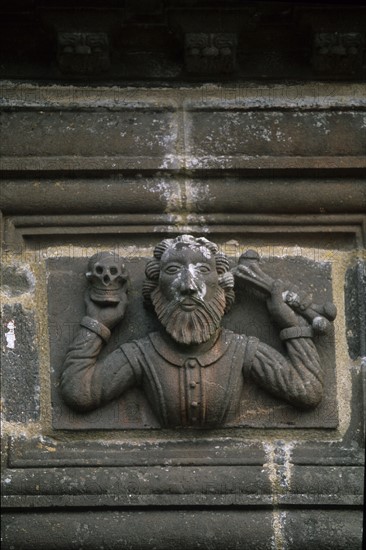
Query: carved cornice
point(175, 41)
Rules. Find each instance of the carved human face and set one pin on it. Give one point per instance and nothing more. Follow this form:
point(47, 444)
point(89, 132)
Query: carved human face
point(188, 274)
point(189, 301)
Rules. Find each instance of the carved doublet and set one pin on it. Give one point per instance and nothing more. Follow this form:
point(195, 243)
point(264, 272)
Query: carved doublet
point(191, 390)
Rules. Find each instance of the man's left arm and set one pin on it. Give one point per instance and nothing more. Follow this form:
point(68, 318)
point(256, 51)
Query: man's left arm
point(296, 376)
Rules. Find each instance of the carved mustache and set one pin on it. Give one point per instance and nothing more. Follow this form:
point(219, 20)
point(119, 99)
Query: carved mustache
point(190, 300)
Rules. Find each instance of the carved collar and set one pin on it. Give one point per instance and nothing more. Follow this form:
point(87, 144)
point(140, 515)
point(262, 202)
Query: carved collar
point(178, 358)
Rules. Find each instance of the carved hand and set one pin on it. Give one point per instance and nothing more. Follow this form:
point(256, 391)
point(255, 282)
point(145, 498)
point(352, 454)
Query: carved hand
point(108, 315)
point(288, 305)
point(280, 311)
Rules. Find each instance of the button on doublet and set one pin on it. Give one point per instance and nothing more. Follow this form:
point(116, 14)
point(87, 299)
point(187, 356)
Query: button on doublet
point(192, 388)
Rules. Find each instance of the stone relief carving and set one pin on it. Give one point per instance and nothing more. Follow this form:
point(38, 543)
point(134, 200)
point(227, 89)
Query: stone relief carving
point(83, 52)
point(193, 370)
point(338, 52)
point(210, 52)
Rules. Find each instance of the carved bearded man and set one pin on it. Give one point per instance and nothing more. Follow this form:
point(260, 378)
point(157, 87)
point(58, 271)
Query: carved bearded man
point(193, 371)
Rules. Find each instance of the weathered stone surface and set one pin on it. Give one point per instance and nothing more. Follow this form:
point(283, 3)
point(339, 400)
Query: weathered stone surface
point(209, 128)
point(176, 451)
point(183, 477)
point(235, 134)
point(327, 482)
point(16, 280)
point(323, 530)
point(354, 300)
point(20, 363)
point(143, 131)
point(319, 529)
point(168, 530)
point(183, 472)
point(179, 197)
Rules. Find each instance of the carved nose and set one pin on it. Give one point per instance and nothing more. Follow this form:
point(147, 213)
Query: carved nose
point(188, 285)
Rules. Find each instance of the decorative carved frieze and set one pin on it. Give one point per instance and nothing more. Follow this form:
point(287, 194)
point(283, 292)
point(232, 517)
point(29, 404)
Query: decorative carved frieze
point(83, 52)
point(210, 53)
point(153, 39)
point(338, 53)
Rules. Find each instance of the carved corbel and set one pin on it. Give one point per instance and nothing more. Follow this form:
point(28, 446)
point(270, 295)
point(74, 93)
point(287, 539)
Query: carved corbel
point(210, 53)
point(83, 53)
point(338, 53)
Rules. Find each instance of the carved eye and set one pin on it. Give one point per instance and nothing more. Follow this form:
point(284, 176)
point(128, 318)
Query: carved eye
point(172, 269)
point(204, 269)
point(99, 269)
point(113, 270)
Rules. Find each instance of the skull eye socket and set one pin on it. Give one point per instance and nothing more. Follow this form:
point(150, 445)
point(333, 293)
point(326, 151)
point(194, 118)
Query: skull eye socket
point(99, 269)
point(113, 270)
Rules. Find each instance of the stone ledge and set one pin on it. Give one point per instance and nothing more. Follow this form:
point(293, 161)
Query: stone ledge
point(182, 129)
point(176, 529)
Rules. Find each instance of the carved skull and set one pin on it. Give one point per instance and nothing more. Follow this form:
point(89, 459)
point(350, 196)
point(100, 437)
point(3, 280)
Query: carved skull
point(106, 275)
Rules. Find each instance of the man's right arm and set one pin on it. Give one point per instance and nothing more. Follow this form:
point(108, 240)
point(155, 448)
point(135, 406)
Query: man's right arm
point(87, 383)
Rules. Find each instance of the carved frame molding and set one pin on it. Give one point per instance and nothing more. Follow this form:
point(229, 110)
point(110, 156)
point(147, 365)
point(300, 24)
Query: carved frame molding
point(241, 455)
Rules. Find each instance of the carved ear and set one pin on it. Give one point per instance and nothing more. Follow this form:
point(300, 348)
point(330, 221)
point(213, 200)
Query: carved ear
point(222, 263)
point(147, 288)
point(162, 247)
point(152, 270)
point(226, 280)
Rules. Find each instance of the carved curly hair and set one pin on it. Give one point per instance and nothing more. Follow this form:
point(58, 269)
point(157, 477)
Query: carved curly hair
point(152, 271)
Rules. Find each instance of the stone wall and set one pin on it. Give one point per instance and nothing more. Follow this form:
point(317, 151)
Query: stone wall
point(89, 169)
point(145, 140)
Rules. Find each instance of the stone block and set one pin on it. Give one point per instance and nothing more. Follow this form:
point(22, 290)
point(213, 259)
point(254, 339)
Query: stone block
point(166, 530)
point(16, 280)
point(323, 529)
point(142, 132)
point(20, 365)
point(354, 301)
point(231, 136)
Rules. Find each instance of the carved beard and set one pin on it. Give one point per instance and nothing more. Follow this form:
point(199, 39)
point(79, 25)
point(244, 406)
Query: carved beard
point(190, 327)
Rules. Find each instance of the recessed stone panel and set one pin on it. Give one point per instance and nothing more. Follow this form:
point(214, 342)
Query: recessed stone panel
point(66, 288)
